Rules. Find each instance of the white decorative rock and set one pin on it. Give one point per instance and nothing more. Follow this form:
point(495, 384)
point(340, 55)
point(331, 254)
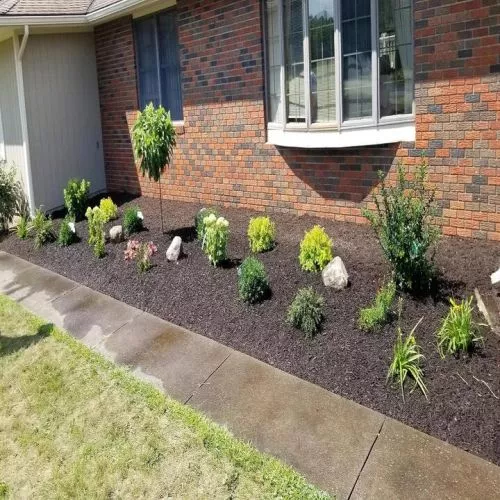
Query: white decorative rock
point(335, 274)
point(116, 234)
point(495, 278)
point(175, 249)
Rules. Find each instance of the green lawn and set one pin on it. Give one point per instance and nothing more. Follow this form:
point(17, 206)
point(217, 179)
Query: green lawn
point(73, 425)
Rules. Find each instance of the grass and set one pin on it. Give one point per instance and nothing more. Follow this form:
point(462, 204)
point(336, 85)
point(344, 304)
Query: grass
point(73, 425)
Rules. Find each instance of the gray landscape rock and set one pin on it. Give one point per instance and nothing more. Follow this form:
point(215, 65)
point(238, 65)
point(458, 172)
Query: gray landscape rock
point(116, 234)
point(335, 274)
point(175, 249)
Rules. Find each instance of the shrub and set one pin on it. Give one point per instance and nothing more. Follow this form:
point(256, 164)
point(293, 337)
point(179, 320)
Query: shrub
point(216, 238)
point(12, 198)
point(109, 209)
point(22, 228)
point(253, 283)
point(67, 232)
point(133, 220)
point(406, 360)
point(154, 139)
point(142, 253)
point(378, 314)
point(306, 311)
point(315, 250)
point(76, 198)
point(403, 224)
point(261, 234)
point(41, 227)
point(97, 237)
point(199, 221)
point(458, 330)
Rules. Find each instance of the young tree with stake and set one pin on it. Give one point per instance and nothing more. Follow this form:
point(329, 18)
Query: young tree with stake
point(154, 139)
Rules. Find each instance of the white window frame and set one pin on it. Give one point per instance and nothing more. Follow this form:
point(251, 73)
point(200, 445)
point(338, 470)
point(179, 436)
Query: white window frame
point(2, 141)
point(354, 132)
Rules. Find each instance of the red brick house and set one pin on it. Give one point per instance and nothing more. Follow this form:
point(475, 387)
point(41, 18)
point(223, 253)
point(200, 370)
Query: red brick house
point(294, 105)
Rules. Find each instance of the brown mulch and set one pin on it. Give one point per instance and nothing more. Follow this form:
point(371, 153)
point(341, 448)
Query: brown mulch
point(342, 359)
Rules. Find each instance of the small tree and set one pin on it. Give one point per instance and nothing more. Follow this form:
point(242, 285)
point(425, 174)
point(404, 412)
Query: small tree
point(154, 139)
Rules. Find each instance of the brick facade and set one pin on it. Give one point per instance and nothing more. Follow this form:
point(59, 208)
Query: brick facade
point(222, 157)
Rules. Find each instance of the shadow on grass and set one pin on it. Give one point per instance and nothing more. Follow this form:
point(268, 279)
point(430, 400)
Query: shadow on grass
point(10, 345)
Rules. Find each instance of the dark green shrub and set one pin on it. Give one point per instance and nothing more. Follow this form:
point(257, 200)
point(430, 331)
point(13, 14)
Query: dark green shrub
point(315, 250)
point(253, 283)
point(459, 331)
point(76, 198)
point(12, 199)
point(199, 223)
point(306, 311)
point(133, 221)
point(67, 232)
point(403, 223)
point(261, 234)
point(41, 228)
point(378, 314)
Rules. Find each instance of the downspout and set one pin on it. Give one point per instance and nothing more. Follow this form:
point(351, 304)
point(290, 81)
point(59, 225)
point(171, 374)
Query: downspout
point(19, 52)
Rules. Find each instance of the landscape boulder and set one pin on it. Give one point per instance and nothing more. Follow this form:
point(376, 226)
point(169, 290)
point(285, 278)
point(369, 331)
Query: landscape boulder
point(116, 234)
point(335, 274)
point(175, 249)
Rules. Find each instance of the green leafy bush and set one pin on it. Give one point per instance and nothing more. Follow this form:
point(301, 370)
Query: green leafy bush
point(406, 359)
point(403, 223)
point(199, 221)
point(67, 232)
point(76, 198)
point(97, 237)
point(261, 234)
point(216, 238)
point(253, 283)
point(315, 250)
point(12, 199)
point(378, 314)
point(133, 221)
point(458, 331)
point(22, 228)
point(306, 311)
point(41, 227)
point(154, 139)
point(109, 209)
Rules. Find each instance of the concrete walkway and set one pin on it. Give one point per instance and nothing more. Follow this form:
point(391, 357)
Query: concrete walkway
point(340, 446)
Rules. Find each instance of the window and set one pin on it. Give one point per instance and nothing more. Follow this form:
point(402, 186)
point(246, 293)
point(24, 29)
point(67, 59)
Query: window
point(158, 66)
point(339, 66)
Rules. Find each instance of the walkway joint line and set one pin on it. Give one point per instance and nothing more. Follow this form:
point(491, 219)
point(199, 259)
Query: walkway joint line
point(366, 459)
point(206, 380)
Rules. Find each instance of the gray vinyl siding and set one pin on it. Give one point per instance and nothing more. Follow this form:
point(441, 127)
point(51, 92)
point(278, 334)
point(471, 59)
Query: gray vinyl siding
point(9, 108)
point(63, 115)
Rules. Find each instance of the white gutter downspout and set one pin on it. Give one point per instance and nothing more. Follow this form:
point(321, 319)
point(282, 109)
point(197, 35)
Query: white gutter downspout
point(19, 52)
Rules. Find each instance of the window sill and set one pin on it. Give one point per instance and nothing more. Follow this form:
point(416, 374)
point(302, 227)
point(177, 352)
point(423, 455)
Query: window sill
point(385, 133)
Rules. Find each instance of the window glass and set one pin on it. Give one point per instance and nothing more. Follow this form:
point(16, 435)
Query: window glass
point(158, 66)
point(356, 59)
point(322, 57)
point(170, 68)
point(274, 60)
point(395, 57)
point(294, 64)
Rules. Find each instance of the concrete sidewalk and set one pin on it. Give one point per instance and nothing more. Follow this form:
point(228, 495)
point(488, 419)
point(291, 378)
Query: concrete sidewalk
point(342, 447)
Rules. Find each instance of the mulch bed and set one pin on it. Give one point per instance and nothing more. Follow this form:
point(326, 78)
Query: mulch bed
point(342, 359)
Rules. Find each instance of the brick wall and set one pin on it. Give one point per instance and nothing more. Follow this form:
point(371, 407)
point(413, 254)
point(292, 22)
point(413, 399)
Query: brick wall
point(222, 157)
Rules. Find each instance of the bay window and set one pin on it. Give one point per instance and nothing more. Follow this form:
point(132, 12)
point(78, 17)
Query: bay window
point(339, 72)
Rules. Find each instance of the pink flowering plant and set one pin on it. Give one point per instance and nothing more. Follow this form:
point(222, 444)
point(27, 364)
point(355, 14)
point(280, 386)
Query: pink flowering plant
point(141, 253)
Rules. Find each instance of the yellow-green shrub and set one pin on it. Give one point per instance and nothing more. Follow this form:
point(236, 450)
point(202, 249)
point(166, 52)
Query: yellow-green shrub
point(261, 234)
point(315, 250)
point(109, 209)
